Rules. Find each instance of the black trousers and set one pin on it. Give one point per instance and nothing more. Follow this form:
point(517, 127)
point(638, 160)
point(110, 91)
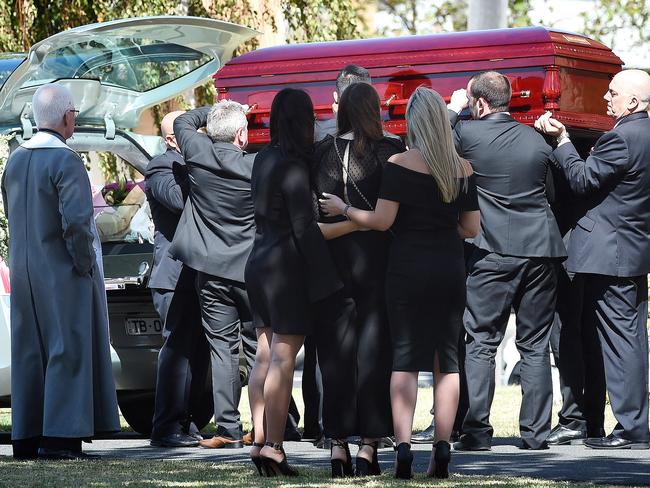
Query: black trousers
point(496, 284)
point(576, 350)
point(354, 355)
point(312, 390)
point(228, 325)
point(182, 360)
point(617, 308)
point(353, 340)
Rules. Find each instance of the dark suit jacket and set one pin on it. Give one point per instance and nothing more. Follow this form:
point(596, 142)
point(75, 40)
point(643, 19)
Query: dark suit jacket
point(511, 161)
point(216, 230)
point(613, 238)
point(166, 186)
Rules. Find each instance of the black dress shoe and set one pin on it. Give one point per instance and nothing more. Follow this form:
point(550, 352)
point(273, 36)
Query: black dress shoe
point(462, 446)
point(323, 443)
point(64, 454)
point(292, 434)
point(386, 443)
point(174, 440)
point(196, 436)
point(526, 446)
point(561, 435)
point(311, 435)
point(424, 437)
point(615, 442)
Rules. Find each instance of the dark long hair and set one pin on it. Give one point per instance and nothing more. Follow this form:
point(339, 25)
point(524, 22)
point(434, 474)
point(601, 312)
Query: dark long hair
point(359, 113)
point(292, 123)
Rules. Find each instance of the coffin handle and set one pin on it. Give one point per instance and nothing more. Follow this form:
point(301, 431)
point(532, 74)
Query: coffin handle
point(551, 90)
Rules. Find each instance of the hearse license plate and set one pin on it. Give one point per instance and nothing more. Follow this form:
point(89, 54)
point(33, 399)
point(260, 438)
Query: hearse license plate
point(143, 326)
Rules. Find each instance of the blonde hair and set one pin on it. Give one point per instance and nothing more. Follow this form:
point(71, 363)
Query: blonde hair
point(429, 131)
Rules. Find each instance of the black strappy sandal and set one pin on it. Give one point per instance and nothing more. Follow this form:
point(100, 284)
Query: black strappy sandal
point(257, 460)
point(369, 468)
point(272, 467)
point(340, 468)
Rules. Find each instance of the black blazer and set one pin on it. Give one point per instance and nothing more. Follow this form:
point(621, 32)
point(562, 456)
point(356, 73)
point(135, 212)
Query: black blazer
point(166, 186)
point(613, 237)
point(511, 162)
point(216, 230)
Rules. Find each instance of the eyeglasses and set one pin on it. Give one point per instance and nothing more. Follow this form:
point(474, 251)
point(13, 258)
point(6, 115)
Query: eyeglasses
point(75, 111)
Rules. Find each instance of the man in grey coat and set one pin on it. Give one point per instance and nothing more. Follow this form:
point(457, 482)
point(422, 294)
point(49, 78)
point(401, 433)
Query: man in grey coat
point(62, 388)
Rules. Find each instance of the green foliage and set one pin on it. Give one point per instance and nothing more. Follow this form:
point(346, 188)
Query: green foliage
point(609, 18)
point(320, 20)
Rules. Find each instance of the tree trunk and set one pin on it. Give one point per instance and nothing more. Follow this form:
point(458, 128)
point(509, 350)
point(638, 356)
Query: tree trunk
point(487, 14)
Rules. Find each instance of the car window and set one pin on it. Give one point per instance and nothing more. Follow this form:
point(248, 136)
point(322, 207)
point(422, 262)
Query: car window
point(135, 64)
point(8, 63)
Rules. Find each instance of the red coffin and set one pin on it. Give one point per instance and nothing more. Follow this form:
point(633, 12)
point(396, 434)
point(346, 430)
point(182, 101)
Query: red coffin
point(549, 70)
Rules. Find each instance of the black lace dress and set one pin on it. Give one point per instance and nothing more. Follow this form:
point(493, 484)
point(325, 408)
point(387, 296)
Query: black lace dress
point(352, 336)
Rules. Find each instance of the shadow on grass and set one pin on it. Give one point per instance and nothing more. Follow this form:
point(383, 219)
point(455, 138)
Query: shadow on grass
point(197, 474)
point(142, 465)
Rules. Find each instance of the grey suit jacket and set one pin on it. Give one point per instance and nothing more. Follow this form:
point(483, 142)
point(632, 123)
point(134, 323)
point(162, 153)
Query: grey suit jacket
point(510, 161)
point(167, 187)
point(216, 230)
point(613, 237)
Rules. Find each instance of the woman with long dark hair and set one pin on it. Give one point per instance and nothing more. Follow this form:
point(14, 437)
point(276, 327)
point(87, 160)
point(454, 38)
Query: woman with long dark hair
point(287, 271)
point(353, 340)
point(429, 194)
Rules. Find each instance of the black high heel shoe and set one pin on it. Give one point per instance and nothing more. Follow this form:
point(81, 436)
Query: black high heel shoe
point(257, 460)
point(366, 468)
point(404, 461)
point(442, 456)
point(272, 467)
point(340, 468)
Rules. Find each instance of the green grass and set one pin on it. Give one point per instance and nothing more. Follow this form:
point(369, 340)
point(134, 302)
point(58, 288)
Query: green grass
point(199, 474)
point(504, 416)
point(191, 474)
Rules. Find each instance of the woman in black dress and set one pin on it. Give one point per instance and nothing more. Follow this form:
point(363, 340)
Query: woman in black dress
point(429, 194)
point(288, 270)
point(353, 339)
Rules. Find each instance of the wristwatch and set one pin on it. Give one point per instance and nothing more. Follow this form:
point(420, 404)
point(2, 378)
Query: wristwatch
point(562, 138)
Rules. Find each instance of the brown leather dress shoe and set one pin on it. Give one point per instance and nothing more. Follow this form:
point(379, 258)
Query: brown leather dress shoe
point(248, 439)
point(218, 442)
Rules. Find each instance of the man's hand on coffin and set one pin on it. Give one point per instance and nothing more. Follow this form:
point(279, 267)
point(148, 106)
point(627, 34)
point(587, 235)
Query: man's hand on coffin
point(550, 126)
point(458, 100)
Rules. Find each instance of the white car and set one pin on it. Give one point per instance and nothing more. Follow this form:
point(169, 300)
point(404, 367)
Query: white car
point(115, 71)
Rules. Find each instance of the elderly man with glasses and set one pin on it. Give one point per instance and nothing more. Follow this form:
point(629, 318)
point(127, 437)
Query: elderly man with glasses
point(609, 250)
point(62, 389)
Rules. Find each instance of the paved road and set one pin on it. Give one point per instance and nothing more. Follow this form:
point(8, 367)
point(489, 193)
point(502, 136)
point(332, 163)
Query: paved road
point(573, 463)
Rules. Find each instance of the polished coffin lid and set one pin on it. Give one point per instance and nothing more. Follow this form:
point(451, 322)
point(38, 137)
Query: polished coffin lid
point(549, 70)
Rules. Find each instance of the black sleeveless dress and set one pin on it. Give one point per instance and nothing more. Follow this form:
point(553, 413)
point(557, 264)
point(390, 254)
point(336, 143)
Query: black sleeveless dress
point(425, 280)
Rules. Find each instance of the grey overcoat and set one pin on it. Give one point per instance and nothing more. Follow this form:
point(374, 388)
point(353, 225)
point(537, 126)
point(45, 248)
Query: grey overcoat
point(61, 378)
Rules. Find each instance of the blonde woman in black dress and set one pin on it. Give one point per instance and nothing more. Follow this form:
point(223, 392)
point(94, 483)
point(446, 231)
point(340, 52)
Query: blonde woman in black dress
point(428, 196)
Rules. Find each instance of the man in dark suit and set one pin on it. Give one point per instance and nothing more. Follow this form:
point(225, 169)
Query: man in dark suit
point(609, 249)
point(214, 237)
point(514, 261)
point(576, 349)
point(182, 360)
